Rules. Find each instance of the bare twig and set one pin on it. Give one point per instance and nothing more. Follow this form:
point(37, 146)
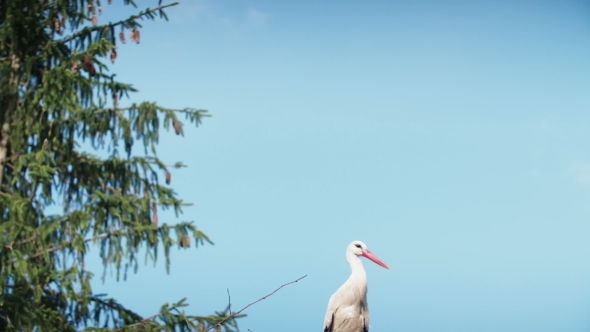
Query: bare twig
point(260, 299)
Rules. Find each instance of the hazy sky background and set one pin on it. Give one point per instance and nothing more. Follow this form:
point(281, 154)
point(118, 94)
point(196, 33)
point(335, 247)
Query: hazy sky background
point(452, 137)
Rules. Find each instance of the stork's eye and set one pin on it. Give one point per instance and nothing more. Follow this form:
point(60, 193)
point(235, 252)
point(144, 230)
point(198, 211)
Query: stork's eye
point(358, 246)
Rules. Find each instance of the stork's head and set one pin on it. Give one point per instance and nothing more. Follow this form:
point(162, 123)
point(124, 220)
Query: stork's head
point(358, 248)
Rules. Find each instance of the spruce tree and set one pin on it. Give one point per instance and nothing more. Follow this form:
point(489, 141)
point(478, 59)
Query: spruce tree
point(72, 141)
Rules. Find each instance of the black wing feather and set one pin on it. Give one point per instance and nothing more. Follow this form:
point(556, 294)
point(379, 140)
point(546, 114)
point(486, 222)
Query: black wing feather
point(330, 328)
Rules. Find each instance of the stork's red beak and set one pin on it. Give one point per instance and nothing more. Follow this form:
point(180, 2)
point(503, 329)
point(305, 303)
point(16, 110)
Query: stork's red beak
point(371, 256)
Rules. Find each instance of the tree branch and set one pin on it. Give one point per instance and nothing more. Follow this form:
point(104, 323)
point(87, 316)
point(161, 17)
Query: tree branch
point(141, 322)
point(102, 27)
point(10, 245)
point(148, 319)
point(229, 301)
point(260, 299)
point(7, 119)
point(112, 109)
point(100, 236)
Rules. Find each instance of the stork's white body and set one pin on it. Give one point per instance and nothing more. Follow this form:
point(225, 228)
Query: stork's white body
point(348, 310)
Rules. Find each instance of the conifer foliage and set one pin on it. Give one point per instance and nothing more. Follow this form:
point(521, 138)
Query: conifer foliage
point(69, 143)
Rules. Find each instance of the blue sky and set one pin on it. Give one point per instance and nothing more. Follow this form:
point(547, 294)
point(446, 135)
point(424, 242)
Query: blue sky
point(452, 137)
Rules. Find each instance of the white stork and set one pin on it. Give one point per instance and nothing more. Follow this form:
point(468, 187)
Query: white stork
point(348, 310)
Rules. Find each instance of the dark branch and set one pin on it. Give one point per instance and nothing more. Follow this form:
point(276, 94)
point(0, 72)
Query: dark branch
point(260, 299)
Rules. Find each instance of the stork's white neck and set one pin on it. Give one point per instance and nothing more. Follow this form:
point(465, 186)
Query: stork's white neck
point(354, 290)
point(356, 265)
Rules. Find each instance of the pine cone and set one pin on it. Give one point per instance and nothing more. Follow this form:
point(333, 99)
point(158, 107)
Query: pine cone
point(113, 55)
point(176, 126)
point(134, 35)
point(88, 65)
point(185, 241)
